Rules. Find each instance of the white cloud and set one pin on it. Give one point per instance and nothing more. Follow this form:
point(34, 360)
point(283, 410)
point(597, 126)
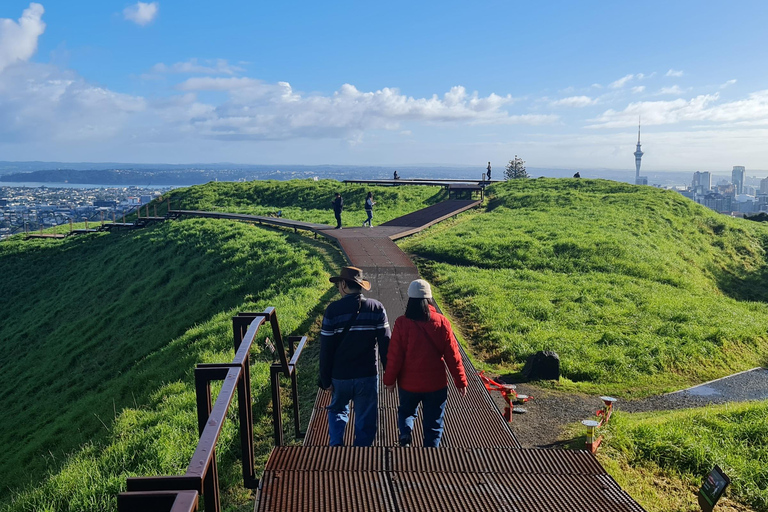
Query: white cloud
point(192, 66)
point(674, 73)
point(674, 90)
point(258, 110)
point(728, 83)
point(18, 41)
point(638, 89)
point(574, 101)
point(39, 102)
point(752, 110)
point(142, 13)
point(621, 82)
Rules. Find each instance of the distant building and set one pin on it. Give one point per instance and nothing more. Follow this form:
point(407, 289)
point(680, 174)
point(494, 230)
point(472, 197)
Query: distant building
point(764, 186)
point(718, 202)
point(100, 203)
point(725, 188)
point(737, 178)
point(702, 182)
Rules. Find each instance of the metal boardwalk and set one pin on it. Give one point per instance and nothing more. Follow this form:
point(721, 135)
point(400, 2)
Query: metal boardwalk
point(479, 466)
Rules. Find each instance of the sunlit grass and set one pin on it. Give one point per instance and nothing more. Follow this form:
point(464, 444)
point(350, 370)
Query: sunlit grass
point(639, 290)
point(97, 362)
point(662, 458)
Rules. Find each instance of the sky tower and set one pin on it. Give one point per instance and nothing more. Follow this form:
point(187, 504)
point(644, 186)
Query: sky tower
point(639, 180)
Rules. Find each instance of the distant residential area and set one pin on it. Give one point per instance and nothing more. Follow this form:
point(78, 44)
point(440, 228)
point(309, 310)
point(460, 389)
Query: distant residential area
point(30, 208)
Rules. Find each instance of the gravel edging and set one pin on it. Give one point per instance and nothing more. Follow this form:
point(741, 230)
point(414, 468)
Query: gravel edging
point(550, 411)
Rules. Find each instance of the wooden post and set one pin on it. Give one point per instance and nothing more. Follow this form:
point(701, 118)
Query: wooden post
point(101, 213)
point(123, 216)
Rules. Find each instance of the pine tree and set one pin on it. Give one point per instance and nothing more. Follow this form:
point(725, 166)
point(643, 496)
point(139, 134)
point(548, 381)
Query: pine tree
point(515, 169)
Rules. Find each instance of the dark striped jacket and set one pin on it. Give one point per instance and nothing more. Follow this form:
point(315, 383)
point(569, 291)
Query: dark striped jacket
point(354, 357)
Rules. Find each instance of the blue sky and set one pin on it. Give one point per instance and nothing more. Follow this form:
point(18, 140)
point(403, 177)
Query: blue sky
point(561, 84)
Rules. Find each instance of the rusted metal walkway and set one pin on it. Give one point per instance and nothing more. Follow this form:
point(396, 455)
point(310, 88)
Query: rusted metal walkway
point(479, 466)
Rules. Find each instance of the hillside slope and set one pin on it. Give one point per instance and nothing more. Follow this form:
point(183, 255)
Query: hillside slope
point(100, 335)
point(639, 290)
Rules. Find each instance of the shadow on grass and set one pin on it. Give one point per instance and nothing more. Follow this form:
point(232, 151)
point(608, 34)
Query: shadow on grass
point(752, 286)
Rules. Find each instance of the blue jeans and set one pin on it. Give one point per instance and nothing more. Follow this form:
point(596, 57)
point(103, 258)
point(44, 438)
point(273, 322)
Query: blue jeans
point(433, 411)
point(369, 220)
point(364, 393)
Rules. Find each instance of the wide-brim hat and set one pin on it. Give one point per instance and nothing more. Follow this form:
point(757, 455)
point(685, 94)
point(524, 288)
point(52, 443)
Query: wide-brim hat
point(353, 274)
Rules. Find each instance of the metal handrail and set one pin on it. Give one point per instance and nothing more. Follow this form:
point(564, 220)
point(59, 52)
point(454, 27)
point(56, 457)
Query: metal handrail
point(180, 493)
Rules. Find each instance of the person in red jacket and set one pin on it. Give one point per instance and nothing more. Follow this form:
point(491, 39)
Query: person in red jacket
point(422, 345)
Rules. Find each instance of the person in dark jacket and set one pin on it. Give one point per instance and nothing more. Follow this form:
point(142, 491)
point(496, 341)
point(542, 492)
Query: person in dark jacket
point(338, 205)
point(422, 346)
point(352, 329)
point(369, 202)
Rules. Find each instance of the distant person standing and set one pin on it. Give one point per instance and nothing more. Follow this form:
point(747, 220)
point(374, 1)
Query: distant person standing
point(397, 176)
point(489, 171)
point(422, 345)
point(338, 205)
point(369, 202)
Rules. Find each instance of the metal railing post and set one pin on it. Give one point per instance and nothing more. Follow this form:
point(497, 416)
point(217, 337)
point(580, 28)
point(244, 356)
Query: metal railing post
point(203, 377)
point(277, 410)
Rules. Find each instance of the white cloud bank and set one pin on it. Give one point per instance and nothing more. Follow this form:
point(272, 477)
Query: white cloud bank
point(142, 13)
point(256, 110)
point(45, 105)
point(674, 73)
point(18, 40)
point(752, 110)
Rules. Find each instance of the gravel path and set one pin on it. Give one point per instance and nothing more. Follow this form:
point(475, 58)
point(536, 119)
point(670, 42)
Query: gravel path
point(549, 411)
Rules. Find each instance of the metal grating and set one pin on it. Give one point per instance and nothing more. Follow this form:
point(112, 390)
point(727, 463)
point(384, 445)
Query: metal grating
point(320, 491)
point(496, 460)
point(445, 479)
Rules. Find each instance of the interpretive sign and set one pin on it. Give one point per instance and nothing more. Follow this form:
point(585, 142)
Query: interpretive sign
point(713, 487)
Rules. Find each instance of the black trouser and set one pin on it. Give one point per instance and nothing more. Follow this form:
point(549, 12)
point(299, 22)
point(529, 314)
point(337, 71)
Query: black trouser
point(338, 218)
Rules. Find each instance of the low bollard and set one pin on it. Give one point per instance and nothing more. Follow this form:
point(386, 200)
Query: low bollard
point(593, 440)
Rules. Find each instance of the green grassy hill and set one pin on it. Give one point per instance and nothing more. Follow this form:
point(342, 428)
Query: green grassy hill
point(638, 290)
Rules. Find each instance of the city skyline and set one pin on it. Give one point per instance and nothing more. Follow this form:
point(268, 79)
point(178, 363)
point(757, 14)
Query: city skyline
point(357, 84)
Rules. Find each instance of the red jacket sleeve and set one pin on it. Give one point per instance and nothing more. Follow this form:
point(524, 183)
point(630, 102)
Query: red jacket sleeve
point(453, 357)
point(396, 353)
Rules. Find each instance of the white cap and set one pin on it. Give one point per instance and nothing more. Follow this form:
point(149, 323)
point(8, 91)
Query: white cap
point(419, 289)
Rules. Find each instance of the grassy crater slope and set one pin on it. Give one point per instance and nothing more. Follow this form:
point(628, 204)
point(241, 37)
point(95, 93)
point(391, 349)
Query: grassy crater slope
point(639, 290)
point(661, 458)
point(100, 335)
